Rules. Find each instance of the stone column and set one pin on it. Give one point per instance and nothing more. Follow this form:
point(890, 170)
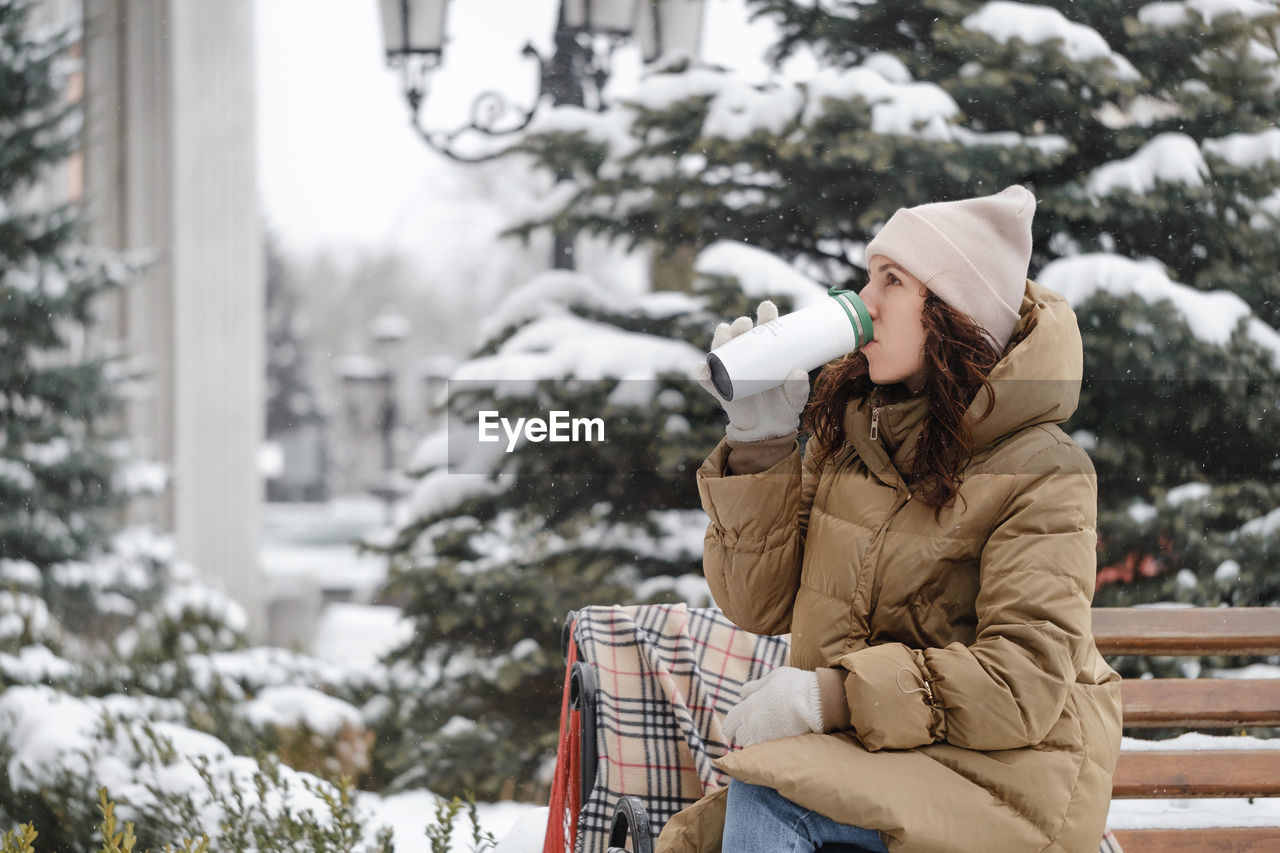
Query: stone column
point(170, 167)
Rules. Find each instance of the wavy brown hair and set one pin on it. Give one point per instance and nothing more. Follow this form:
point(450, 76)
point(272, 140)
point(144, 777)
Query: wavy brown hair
point(957, 358)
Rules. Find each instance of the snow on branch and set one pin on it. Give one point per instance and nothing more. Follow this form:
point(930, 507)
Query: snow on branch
point(1212, 317)
point(1172, 14)
point(1168, 157)
point(1246, 150)
point(1005, 21)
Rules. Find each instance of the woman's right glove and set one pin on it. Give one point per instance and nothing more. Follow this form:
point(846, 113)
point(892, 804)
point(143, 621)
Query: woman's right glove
point(770, 413)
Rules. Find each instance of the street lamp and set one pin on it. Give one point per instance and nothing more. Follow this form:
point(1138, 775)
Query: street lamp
point(387, 331)
point(587, 33)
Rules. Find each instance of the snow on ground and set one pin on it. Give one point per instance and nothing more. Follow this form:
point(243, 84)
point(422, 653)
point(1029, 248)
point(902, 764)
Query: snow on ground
point(521, 827)
point(313, 544)
point(331, 567)
point(359, 634)
point(518, 827)
point(1182, 813)
point(337, 521)
point(1253, 670)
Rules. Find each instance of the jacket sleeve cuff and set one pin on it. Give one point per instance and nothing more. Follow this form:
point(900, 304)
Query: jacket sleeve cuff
point(891, 699)
point(831, 696)
point(754, 457)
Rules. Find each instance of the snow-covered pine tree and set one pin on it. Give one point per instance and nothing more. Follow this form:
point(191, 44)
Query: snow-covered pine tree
point(1149, 133)
point(61, 466)
point(178, 684)
point(501, 545)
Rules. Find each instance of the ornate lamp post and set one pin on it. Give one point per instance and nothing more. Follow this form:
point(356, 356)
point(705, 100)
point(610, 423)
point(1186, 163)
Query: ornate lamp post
point(387, 331)
point(587, 33)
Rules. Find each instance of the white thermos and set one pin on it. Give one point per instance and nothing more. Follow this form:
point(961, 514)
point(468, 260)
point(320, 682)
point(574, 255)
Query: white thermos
point(760, 359)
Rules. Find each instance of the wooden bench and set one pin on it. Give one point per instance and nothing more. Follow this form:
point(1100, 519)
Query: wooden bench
point(1212, 704)
point(1195, 704)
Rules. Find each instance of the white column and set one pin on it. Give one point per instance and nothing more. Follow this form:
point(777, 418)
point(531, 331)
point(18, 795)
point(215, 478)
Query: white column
point(171, 168)
point(219, 298)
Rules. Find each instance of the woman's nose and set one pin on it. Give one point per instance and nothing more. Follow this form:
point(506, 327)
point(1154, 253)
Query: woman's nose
point(869, 300)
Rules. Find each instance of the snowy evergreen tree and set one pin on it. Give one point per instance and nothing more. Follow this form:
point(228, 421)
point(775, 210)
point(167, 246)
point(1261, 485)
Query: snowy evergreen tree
point(1147, 131)
point(118, 667)
point(60, 463)
point(502, 545)
point(1148, 134)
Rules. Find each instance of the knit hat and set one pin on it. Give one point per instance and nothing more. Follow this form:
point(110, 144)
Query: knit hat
point(974, 254)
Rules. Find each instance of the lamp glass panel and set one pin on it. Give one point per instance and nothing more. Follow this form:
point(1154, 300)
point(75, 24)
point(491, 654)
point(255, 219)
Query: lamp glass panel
point(601, 16)
point(392, 25)
point(575, 13)
point(426, 24)
point(670, 27)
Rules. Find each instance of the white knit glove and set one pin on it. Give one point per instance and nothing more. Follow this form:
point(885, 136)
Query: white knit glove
point(770, 413)
point(784, 703)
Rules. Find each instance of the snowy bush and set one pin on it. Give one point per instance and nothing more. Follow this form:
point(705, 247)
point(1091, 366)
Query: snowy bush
point(25, 621)
point(56, 751)
point(312, 731)
point(101, 594)
point(189, 619)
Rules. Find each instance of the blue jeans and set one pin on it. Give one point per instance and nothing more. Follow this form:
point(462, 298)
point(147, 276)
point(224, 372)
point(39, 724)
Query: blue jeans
point(760, 820)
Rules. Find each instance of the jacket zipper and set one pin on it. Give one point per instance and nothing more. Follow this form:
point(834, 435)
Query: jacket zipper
point(875, 424)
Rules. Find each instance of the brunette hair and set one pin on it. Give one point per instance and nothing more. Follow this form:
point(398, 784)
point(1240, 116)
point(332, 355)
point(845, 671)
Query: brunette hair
point(957, 358)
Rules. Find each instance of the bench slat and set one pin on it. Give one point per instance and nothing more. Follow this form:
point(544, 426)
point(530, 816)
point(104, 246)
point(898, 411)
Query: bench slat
point(1187, 631)
point(1197, 773)
point(1201, 703)
point(1254, 839)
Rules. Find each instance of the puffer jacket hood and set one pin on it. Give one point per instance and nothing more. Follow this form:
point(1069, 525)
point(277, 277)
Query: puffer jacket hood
point(983, 717)
point(1037, 382)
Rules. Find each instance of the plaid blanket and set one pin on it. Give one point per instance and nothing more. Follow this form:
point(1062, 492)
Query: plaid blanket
point(666, 675)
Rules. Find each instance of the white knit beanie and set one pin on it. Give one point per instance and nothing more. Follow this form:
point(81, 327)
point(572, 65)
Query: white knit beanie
point(974, 254)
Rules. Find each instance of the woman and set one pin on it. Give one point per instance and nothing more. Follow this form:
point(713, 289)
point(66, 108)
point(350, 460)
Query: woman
point(932, 556)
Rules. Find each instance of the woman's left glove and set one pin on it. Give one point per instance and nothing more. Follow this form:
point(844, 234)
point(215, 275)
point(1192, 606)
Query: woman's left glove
point(769, 414)
point(784, 703)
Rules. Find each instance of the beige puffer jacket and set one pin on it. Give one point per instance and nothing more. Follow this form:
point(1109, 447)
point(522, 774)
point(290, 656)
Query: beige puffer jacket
point(1013, 745)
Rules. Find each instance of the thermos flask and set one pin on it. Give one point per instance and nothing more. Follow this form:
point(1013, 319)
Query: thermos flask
point(760, 359)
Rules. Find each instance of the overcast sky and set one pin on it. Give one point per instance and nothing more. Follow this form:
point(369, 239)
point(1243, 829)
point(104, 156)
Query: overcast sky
point(339, 166)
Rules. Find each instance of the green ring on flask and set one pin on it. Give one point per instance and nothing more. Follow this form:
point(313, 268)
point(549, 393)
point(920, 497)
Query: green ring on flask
point(857, 312)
